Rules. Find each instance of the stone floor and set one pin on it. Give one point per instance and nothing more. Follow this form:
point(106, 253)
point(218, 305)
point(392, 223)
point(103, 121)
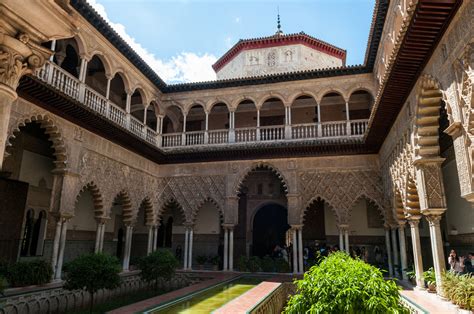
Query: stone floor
point(430, 302)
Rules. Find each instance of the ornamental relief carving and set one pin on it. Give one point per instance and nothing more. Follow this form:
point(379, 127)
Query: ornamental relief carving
point(341, 190)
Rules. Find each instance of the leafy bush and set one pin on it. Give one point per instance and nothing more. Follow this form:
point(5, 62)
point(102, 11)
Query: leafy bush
point(429, 276)
point(410, 271)
point(242, 263)
point(282, 266)
point(341, 284)
point(254, 264)
point(267, 264)
point(201, 259)
point(3, 284)
point(215, 260)
point(459, 289)
point(92, 272)
point(4, 268)
point(159, 264)
point(36, 272)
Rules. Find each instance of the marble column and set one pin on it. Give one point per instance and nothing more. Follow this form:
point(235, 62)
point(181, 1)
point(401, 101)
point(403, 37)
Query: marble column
point(414, 221)
point(102, 234)
point(437, 249)
point(346, 236)
point(389, 250)
point(226, 248)
point(341, 240)
point(56, 240)
point(395, 251)
point(128, 248)
point(62, 245)
point(97, 237)
point(190, 254)
point(231, 248)
point(300, 250)
point(403, 249)
point(155, 237)
point(150, 240)
point(295, 252)
point(186, 248)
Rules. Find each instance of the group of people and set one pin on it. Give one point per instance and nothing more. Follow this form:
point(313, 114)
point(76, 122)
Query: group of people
point(461, 264)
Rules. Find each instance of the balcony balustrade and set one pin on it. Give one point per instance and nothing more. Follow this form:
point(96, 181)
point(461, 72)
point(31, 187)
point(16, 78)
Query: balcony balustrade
point(71, 86)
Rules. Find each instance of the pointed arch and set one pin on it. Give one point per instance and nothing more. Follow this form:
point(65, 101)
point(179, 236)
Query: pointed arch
point(170, 202)
point(398, 207)
point(99, 210)
point(412, 199)
point(128, 214)
point(260, 165)
point(150, 213)
point(314, 200)
point(51, 129)
point(379, 203)
point(204, 201)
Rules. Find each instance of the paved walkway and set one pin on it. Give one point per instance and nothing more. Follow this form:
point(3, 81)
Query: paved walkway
point(430, 302)
point(217, 277)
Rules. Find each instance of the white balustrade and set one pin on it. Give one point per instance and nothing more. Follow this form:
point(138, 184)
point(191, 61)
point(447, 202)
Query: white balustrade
point(334, 129)
point(218, 136)
point(136, 126)
point(71, 86)
point(172, 139)
point(195, 138)
point(272, 133)
point(302, 131)
point(358, 127)
point(95, 101)
point(246, 134)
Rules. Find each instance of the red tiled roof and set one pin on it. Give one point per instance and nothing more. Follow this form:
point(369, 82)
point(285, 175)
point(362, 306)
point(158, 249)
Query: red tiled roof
point(279, 40)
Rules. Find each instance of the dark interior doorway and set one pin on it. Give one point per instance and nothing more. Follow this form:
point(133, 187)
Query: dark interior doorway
point(269, 228)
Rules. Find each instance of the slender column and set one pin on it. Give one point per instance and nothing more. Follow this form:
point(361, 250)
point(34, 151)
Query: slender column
point(320, 129)
point(186, 248)
point(395, 251)
point(190, 255)
point(57, 238)
point(183, 136)
point(348, 123)
point(107, 92)
point(53, 48)
point(97, 237)
point(62, 245)
point(346, 236)
point(258, 125)
point(226, 248)
point(150, 240)
point(295, 248)
point(300, 250)
point(417, 257)
point(231, 248)
point(403, 249)
point(83, 70)
point(288, 123)
point(102, 233)
point(128, 247)
point(155, 237)
point(232, 126)
point(341, 240)
point(389, 250)
point(437, 250)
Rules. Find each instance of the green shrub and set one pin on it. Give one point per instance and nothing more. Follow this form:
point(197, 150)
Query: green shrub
point(201, 259)
point(157, 265)
point(92, 272)
point(254, 264)
point(36, 272)
point(242, 263)
point(282, 266)
point(267, 264)
point(4, 265)
point(340, 284)
point(429, 276)
point(215, 260)
point(3, 284)
point(459, 289)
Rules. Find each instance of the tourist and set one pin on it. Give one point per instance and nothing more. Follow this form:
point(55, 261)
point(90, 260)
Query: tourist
point(456, 263)
point(378, 255)
point(305, 256)
point(469, 264)
point(178, 252)
point(284, 253)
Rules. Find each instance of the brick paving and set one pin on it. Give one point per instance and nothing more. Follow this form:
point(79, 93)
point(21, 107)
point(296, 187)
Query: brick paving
point(217, 277)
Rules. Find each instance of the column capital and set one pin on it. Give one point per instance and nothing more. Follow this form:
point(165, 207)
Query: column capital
point(19, 56)
point(227, 226)
point(434, 219)
point(102, 220)
point(296, 227)
point(343, 227)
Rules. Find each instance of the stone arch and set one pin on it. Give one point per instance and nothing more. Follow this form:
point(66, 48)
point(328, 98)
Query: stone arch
point(99, 210)
point(313, 200)
point(51, 129)
point(235, 103)
point(269, 96)
point(246, 172)
point(150, 214)
point(427, 110)
point(207, 200)
point(191, 104)
point(168, 202)
point(143, 93)
point(295, 96)
point(412, 203)
point(109, 72)
point(327, 91)
point(128, 214)
point(377, 202)
point(126, 80)
point(81, 44)
point(398, 207)
point(210, 104)
point(359, 88)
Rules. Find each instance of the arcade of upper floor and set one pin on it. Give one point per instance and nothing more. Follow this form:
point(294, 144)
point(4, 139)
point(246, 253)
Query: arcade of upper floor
point(96, 70)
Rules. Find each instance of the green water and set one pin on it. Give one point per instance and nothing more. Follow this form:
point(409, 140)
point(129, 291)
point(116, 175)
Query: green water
point(212, 299)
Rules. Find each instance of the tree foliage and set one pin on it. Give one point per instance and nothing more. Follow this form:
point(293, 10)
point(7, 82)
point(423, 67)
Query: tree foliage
point(26, 273)
point(93, 272)
point(157, 265)
point(340, 284)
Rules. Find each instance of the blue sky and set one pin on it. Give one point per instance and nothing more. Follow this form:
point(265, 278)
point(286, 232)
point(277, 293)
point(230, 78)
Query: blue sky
point(180, 39)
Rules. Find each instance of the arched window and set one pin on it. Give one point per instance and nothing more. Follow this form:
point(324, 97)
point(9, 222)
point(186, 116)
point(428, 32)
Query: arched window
point(117, 92)
point(27, 233)
point(95, 76)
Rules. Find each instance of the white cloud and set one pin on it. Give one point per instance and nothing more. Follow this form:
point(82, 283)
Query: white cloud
point(237, 19)
point(184, 67)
